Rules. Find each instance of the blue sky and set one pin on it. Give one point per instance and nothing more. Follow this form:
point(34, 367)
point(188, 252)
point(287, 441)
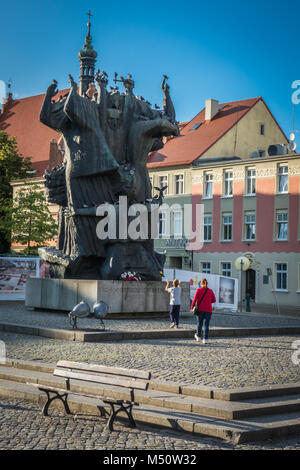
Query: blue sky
point(224, 50)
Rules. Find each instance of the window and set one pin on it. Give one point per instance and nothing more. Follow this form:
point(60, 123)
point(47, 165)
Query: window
point(227, 227)
point(151, 182)
point(250, 181)
point(179, 184)
point(250, 226)
point(205, 267)
point(281, 276)
point(226, 269)
point(208, 184)
point(177, 218)
point(163, 181)
point(228, 183)
point(261, 153)
point(283, 178)
point(262, 129)
point(282, 225)
point(207, 228)
point(162, 221)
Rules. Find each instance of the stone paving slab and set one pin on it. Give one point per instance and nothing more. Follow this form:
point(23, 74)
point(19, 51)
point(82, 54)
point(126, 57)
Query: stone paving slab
point(176, 402)
point(235, 431)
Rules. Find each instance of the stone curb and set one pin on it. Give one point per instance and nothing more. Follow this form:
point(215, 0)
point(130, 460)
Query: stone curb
point(106, 336)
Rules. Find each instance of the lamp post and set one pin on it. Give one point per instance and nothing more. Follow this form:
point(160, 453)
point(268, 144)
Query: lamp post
point(241, 293)
point(242, 264)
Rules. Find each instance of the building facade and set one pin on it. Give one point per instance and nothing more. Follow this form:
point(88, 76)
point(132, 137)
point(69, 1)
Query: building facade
point(252, 209)
point(233, 160)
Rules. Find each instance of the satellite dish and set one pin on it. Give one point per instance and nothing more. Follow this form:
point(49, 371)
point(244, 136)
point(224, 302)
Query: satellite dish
point(292, 136)
point(292, 146)
point(242, 263)
point(254, 155)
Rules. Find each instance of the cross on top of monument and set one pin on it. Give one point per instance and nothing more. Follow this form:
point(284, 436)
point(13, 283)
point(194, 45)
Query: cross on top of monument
point(89, 14)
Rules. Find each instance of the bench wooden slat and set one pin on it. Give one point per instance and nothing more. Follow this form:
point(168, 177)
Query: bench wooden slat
point(136, 384)
point(81, 394)
point(134, 373)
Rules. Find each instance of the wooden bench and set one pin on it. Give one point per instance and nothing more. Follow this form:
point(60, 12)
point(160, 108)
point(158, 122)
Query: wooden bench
point(129, 379)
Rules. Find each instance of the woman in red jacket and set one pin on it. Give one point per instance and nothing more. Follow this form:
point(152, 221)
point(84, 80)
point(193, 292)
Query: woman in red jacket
point(204, 298)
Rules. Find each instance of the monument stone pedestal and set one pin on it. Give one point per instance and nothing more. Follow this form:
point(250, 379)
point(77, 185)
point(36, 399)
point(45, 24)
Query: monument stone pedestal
point(122, 297)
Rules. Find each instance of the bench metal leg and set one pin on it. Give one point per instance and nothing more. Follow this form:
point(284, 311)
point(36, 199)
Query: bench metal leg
point(57, 396)
point(102, 410)
point(127, 409)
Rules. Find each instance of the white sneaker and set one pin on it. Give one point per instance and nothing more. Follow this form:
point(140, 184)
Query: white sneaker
point(204, 341)
point(172, 325)
point(197, 337)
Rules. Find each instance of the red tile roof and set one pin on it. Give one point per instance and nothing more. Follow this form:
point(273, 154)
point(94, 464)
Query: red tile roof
point(191, 144)
point(21, 120)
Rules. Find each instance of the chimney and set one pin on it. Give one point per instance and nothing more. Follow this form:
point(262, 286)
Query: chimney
point(6, 101)
point(55, 155)
point(211, 109)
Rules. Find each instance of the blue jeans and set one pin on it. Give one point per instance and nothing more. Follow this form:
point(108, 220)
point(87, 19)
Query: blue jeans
point(203, 317)
point(174, 314)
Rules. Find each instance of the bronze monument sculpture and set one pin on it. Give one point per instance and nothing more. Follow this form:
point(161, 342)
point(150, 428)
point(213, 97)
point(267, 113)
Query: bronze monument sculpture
point(107, 138)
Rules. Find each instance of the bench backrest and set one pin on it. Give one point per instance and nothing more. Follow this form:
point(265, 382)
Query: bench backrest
point(116, 376)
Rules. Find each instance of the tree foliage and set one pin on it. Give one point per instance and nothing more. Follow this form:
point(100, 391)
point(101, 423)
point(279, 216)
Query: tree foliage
point(31, 220)
point(12, 167)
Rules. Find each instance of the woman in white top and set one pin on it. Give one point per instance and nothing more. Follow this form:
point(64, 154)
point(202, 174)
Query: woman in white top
point(175, 294)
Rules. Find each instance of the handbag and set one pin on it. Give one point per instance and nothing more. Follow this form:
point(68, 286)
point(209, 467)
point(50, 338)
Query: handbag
point(196, 310)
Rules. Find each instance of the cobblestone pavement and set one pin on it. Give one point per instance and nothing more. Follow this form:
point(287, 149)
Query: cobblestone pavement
point(22, 427)
point(224, 362)
point(15, 312)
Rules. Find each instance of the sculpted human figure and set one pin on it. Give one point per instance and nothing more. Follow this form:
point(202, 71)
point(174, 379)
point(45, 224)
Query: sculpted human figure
point(107, 138)
point(167, 102)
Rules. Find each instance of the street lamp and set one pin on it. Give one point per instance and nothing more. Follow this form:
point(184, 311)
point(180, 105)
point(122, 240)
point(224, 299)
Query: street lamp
point(242, 264)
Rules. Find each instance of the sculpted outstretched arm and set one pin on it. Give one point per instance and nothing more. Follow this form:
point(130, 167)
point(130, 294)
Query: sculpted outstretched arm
point(46, 116)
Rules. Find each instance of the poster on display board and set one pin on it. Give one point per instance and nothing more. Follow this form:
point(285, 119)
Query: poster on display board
point(225, 288)
point(14, 273)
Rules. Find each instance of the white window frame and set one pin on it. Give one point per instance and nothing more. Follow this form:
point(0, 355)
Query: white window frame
point(152, 183)
point(250, 176)
point(208, 225)
point(208, 180)
point(249, 223)
point(161, 185)
point(179, 175)
point(224, 272)
point(283, 173)
point(225, 215)
point(276, 271)
point(205, 270)
point(282, 221)
point(175, 213)
point(227, 183)
point(162, 218)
